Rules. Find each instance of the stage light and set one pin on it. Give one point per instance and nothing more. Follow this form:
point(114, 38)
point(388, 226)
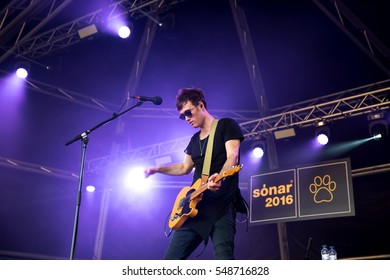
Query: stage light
point(377, 125)
point(258, 152)
point(378, 129)
point(21, 69)
point(135, 180)
point(322, 133)
point(258, 148)
point(22, 73)
point(284, 133)
point(90, 188)
point(124, 32)
point(377, 136)
point(322, 139)
point(87, 31)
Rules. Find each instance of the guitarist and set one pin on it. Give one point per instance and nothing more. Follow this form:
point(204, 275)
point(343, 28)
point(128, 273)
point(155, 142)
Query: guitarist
point(216, 216)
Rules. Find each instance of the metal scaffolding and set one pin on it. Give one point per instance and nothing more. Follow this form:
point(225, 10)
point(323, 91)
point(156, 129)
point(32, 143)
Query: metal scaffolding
point(25, 18)
point(102, 105)
point(20, 20)
point(350, 103)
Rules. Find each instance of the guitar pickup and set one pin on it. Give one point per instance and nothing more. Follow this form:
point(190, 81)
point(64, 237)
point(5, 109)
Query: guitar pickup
point(174, 217)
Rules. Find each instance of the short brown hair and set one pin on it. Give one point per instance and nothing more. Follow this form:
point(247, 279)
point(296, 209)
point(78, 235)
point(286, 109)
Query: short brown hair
point(194, 95)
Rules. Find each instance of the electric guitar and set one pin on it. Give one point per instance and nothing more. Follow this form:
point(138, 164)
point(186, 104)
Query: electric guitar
point(187, 199)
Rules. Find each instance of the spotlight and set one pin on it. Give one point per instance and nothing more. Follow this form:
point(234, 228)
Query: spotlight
point(377, 136)
point(21, 73)
point(322, 139)
point(377, 125)
point(258, 149)
point(258, 152)
point(124, 32)
point(135, 181)
point(378, 129)
point(322, 133)
point(22, 69)
point(90, 188)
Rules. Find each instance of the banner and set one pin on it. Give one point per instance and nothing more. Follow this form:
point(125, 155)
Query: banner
point(317, 191)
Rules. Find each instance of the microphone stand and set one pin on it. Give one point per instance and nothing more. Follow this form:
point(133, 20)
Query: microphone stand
point(308, 248)
point(84, 137)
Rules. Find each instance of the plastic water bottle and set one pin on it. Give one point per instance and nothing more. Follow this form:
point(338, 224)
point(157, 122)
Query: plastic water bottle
point(324, 252)
point(332, 253)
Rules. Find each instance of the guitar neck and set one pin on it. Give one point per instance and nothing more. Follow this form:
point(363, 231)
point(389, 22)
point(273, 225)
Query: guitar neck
point(203, 187)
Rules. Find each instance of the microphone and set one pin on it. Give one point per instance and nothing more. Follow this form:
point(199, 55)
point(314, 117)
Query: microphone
point(157, 100)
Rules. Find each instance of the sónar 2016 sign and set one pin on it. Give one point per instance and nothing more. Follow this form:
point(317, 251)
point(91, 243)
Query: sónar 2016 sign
point(317, 191)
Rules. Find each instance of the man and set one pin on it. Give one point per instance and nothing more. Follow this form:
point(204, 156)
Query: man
point(216, 216)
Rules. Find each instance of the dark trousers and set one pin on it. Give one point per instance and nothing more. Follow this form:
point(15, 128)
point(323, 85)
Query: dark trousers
point(184, 240)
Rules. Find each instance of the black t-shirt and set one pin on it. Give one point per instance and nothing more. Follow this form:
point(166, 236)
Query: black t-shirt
point(213, 204)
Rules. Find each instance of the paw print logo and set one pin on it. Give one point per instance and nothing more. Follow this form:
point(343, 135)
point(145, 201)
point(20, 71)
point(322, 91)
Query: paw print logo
point(323, 189)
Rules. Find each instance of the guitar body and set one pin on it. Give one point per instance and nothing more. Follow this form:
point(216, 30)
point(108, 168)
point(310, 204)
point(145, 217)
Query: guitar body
point(187, 199)
point(183, 206)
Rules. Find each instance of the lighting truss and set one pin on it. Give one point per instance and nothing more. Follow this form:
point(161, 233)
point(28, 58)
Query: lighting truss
point(68, 95)
point(350, 103)
point(142, 153)
point(20, 20)
point(37, 168)
point(102, 105)
point(67, 34)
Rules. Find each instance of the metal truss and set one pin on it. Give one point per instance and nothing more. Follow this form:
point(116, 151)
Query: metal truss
point(357, 31)
point(20, 20)
point(143, 153)
point(36, 168)
point(66, 94)
point(350, 103)
point(102, 105)
point(67, 34)
point(250, 56)
point(14, 17)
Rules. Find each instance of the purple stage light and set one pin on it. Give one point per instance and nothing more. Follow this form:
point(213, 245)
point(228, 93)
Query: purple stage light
point(258, 152)
point(322, 139)
point(21, 73)
point(90, 188)
point(124, 32)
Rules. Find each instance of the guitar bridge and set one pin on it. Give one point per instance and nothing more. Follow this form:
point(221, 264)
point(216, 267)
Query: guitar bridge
point(176, 216)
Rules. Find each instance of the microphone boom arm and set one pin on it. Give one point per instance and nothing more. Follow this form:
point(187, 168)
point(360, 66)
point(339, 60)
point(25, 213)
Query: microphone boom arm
point(114, 116)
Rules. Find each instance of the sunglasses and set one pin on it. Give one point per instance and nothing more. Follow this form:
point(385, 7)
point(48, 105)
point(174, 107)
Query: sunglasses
point(186, 113)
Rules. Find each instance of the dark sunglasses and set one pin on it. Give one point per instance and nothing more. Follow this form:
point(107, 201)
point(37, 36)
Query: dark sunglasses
point(186, 113)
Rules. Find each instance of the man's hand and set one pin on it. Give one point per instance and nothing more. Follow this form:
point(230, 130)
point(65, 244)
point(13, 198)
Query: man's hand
point(211, 185)
point(150, 171)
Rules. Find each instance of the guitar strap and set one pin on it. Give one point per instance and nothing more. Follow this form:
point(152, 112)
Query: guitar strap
point(209, 151)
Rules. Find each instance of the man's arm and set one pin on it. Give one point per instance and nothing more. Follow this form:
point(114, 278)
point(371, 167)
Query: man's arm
point(232, 152)
point(176, 169)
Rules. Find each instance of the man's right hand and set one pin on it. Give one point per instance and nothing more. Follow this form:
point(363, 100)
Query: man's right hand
point(150, 171)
